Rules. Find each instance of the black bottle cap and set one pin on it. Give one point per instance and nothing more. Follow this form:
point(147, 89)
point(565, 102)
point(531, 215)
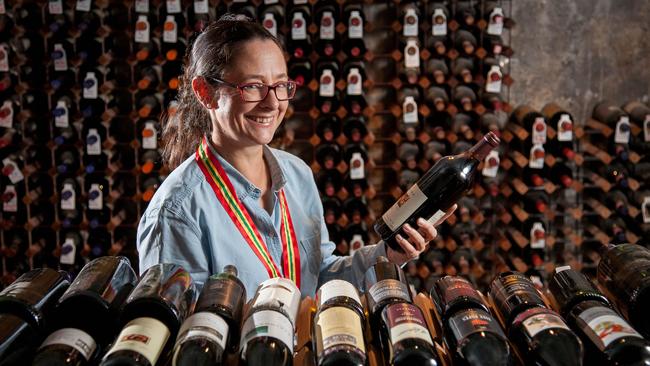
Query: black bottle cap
point(570, 287)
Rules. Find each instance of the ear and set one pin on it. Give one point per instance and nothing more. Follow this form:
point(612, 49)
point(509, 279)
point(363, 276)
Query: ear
point(204, 93)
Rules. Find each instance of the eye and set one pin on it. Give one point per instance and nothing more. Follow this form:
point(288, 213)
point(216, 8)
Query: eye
point(253, 86)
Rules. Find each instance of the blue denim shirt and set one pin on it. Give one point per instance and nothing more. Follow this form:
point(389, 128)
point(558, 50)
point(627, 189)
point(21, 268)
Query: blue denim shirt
point(186, 224)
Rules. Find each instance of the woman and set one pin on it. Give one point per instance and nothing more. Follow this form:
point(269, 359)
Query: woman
point(233, 200)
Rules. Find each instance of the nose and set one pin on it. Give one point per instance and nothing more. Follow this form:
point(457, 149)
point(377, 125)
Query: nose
point(271, 101)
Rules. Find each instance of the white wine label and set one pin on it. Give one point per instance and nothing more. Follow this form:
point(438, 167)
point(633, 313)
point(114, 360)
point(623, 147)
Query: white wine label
point(645, 210)
point(90, 87)
point(535, 161)
point(622, 134)
point(170, 32)
point(646, 128)
point(412, 54)
point(355, 25)
point(149, 136)
point(83, 5)
point(491, 166)
point(280, 292)
point(537, 236)
point(404, 207)
point(75, 338)
point(389, 288)
point(173, 6)
point(204, 325)
point(270, 24)
point(61, 114)
point(68, 197)
point(604, 326)
point(410, 110)
point(93, 142)
point(355, 82)
point(357, 166)
point(142, 29)
point(60, 58)
point(339, 325)
point(327, 84)
point(436, 216)
point(7, 114)
point(68, 252)
point(146, 336)
point(298, 27)
point(15, 175)
point(411, 23)
point(11, 204)
point(142, 6)
point(201, 7)
point(539, 131)
point(336, 288)
point(540, 322)
point(4, 57)
point(267, 323)
point(327, 25)
point(495, 25)
point(565, 128)
point(95, 197)
point(406, 321)
point(494, 78)
point(439, 21)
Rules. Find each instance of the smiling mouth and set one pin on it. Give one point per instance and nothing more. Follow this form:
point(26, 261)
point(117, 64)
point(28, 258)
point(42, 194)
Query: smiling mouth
point(261, 120)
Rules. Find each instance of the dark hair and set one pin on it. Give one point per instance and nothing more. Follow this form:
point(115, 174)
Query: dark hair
point(210, 54)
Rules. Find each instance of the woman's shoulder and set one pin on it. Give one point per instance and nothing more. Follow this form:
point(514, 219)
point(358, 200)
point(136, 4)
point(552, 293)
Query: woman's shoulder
point(291, 163)
point(178, 187)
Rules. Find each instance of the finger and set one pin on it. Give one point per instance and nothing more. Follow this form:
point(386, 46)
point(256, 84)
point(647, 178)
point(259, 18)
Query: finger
point(415, 237)
point(409, 250)
point(427, 230)
point(447, 214)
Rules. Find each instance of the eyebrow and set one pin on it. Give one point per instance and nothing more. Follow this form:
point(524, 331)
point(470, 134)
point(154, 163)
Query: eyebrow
point(257, 76)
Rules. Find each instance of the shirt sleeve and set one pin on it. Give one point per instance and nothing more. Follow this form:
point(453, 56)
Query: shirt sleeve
point(167, 237)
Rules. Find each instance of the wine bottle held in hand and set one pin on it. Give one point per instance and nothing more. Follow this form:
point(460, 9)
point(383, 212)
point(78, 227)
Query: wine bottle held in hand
point(437, 191)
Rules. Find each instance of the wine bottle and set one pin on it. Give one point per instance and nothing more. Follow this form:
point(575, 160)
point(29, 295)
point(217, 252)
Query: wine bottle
point(539, 334)
point(151, 316)
point(99, 289)
point(608, 338)
point(385, 283)
point(338, 325)
point(267, 335)
point(214, 326)
point(17, 340)
point(437, 190)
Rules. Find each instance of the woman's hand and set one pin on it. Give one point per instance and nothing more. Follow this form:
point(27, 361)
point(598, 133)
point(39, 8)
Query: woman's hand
point(418, 240)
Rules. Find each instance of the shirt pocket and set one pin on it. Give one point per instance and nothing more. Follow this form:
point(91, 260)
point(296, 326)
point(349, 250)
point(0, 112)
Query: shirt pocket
point(310, 259)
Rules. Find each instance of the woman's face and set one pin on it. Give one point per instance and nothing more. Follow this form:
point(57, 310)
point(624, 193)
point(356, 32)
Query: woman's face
point(245, 124)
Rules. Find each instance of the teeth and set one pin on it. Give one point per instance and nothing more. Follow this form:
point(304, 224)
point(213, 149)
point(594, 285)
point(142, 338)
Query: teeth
point(262, 120)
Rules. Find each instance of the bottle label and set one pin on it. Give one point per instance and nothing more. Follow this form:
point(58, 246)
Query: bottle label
point(404, 207)
point(565, 128)
point(61, 114)
point(327, 25)
point(645, 209)
point(90, 86)
point(355, 25)
point(83, 5)
point(539, 131)
point(95, 197)
point(93, 142)
point(270, 24)
point(389, 288)
point(439, 21)
point(622, 134)
point(142, 29)
point(173, 6)
point(339, 325)
point(355, 82)
point(267, 323)
point(457, 287)
point(298, 27)
point(410, 110)
point(4, 57)
point(337, 288)
point(280, 292)
point(68, 197)
point(491, 166)
point(201, 7)
point(204, 325)
point(15, 175)
point(410, 23)
point(68, 252)
point(6, 114)
point(468, 322)
point(170, 32)
point(495, 25)
point(537, 236)
point(357, 166)
point(149, 136)
point(142, 6)
point(327, 85)
point(11, 204)
point(604, 326)
point(300, 2)
point(75, 338)
point(494, 78)
point(540, 319)
point(411, 54)
point(146, 336)
point(270, 2)
point(60, 58)
point(406, 321)
point(536, 160)
point(433, 220)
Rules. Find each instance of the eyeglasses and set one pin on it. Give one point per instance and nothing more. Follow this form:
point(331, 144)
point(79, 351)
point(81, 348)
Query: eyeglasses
point(257, 92)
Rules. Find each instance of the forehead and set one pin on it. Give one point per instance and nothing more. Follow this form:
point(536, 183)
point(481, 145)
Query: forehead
point(258, 57)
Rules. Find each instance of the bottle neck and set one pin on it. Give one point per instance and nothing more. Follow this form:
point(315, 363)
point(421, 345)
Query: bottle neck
point(483, 147)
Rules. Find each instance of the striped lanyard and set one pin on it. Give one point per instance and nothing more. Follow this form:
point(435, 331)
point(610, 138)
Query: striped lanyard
point(225, 192)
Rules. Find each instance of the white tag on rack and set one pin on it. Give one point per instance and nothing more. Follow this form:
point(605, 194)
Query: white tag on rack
point(537, 236)
point(327, 25)
point(10, 204)
point(68, 197)
point(539, 131)
point(645, 210)
point(411, 23)
point(491, 167)
point(409, 110)
point(173, 6)
point(149, 136)
point(93, 142)
point(270, 24)
point(356, 243)
point(83, 5)
point(60, 58)
point(7, 114)
point(55, 7)
point(142, 29)
point(565, 128)
point(494, 78)
point(170, 32)
point(327, 84)
point(4, 57)
point(15, 175)
point(622, 134)
point(357, 168)
point(60, 112)
point(141, 6)
point(439, 21)
point(201, 7)
point(355, 25)
point(3, 8)
point(95, 197)
point(90, 90)
point(536, 162)
point(412, 54)
point(68, 252)
point(495, 25)
point(298, 26)
point(355, 82)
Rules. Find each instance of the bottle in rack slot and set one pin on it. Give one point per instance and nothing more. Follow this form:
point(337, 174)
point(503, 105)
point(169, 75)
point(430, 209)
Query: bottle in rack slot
point(353, 44)
point(562, 122)
point(326, 15)
point(410, 70)
point(327, 99)
point(96, 187)
point(465, 14)
point(299, 45)
point(272, 18)
point(465, 42)
point(616, 118)
point(493, 14)
point(354, 100)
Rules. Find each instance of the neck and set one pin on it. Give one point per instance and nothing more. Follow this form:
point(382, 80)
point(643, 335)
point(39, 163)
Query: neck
point(249, 161)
